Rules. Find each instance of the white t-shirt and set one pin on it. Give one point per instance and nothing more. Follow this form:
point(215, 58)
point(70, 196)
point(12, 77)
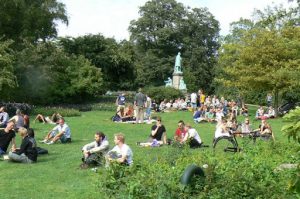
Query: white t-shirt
point(219, 116)
point(194, 134)
point(124, 151)
point(64, 128)
point(219, 132)
point(194, 98)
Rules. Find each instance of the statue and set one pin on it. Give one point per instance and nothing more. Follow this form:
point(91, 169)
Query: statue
point(182, 85)
point(168, 82)
point(177, 68)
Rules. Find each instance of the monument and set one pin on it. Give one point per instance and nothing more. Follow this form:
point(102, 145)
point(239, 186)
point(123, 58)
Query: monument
point(177, 81)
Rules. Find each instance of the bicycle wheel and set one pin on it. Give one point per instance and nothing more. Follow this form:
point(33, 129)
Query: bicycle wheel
point(226, 144)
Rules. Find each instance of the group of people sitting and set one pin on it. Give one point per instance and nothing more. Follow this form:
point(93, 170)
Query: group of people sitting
point(179, 104)
point(261, 113)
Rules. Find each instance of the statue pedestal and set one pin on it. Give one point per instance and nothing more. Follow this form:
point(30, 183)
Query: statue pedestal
point(176, 79)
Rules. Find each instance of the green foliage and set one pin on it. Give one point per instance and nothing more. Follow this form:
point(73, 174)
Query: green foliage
point(48, 111)
point(161, 93)
point(232, 175)
point(292, 130)
point(166, 27)
point(7, 74)
point(256, 58)
point(47, 75)
point(30, 19)
point(114, 59)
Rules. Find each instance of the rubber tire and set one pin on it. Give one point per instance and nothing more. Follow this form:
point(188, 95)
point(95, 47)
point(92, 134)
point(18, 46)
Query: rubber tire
point(189, 173)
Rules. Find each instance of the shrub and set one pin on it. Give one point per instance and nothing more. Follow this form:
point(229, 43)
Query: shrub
point(161, 93)
point(65, 112)
point(249, 174)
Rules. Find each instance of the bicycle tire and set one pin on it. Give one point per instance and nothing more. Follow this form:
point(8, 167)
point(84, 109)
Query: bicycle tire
point(226, 144)
point(189, 173)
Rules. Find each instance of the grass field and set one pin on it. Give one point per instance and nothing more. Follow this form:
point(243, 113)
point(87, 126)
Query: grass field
point(57, 175)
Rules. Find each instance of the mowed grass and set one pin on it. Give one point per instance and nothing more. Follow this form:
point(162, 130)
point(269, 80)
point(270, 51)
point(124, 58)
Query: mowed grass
point(57, 175)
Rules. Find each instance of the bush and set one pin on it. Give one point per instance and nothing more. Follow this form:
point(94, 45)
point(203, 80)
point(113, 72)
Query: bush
point(48, 111)
point(161, 93)
point(249, 174)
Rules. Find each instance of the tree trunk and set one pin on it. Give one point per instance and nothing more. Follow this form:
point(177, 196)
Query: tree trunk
point(276, 101)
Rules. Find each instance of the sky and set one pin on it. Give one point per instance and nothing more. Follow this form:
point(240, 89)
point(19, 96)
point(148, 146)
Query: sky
point(111, 18)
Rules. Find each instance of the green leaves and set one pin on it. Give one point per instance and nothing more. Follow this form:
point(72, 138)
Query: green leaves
point(292, 130)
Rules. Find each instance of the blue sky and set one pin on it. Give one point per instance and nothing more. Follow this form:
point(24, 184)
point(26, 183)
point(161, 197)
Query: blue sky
point(111, 17)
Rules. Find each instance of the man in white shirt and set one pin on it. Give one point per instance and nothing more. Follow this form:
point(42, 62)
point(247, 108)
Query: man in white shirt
point(61, 132)
point(94, 151)
point(194, 100)
point(121, 153)
point(3, 117)
point(192, 137)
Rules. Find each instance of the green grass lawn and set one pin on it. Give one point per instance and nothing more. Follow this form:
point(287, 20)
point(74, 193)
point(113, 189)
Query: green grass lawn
point(57, 175)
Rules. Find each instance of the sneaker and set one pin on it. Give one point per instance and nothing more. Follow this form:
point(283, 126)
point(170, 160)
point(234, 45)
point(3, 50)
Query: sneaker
point(51, 142)
point(44, 141)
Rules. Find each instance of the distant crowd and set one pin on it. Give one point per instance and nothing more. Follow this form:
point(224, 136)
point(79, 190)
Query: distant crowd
point(204, 109)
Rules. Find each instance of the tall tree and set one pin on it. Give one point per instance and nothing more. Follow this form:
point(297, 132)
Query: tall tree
point(262, 57)
point(7, 74)
point(166, 27)
point(30, 19)
point(114, 59)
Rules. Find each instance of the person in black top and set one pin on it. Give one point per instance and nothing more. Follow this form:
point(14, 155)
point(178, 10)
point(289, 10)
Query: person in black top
point(27, 152)
point(158, 135)
point(7, 136)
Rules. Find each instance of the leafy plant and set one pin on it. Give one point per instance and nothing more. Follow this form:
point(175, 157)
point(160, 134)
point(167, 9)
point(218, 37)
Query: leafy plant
point(292, 130)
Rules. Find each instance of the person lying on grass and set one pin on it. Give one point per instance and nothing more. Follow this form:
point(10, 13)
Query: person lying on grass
point(94, 151)
point(157, 136)
point(61, 132)
point(27, 152)
point(50, 120)
point(121, 153)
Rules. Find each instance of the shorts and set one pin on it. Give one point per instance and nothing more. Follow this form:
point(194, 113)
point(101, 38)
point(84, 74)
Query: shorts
point(64, 139)
point(194, 105)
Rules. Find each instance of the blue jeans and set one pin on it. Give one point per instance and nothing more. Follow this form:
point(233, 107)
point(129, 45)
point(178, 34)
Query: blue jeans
point(2, 152)
point(19, 158)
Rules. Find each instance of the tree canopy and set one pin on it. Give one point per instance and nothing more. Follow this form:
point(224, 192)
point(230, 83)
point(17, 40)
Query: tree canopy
point(30, 19)
point(166, 27)
point(260, 56)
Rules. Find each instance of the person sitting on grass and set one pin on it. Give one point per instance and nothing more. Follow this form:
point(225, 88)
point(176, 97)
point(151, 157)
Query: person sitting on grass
point(246, 127)
point(121, 153)
point(61, 132)
point(94, 151)
point(265, 130)
point(192, 137)
point(7, 136)
point(221, 129)
point(180, 132)
point(51, 120)
point(128, 114)
point(27, 152)
point(210, 115)
point(19, 119)
point(3, 117)
point(158, 135)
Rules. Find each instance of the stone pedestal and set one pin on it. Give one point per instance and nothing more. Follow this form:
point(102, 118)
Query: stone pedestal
point(176, 79)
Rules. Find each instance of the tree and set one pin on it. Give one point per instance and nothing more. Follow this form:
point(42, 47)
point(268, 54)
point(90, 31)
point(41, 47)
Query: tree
point(7, 77)
point(48, 75)
point(115, 59)
point(30, 19)
point(167, 27)
point(261, 57)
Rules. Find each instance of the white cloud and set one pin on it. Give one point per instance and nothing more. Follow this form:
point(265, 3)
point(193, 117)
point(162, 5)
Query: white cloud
point(112, 17)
